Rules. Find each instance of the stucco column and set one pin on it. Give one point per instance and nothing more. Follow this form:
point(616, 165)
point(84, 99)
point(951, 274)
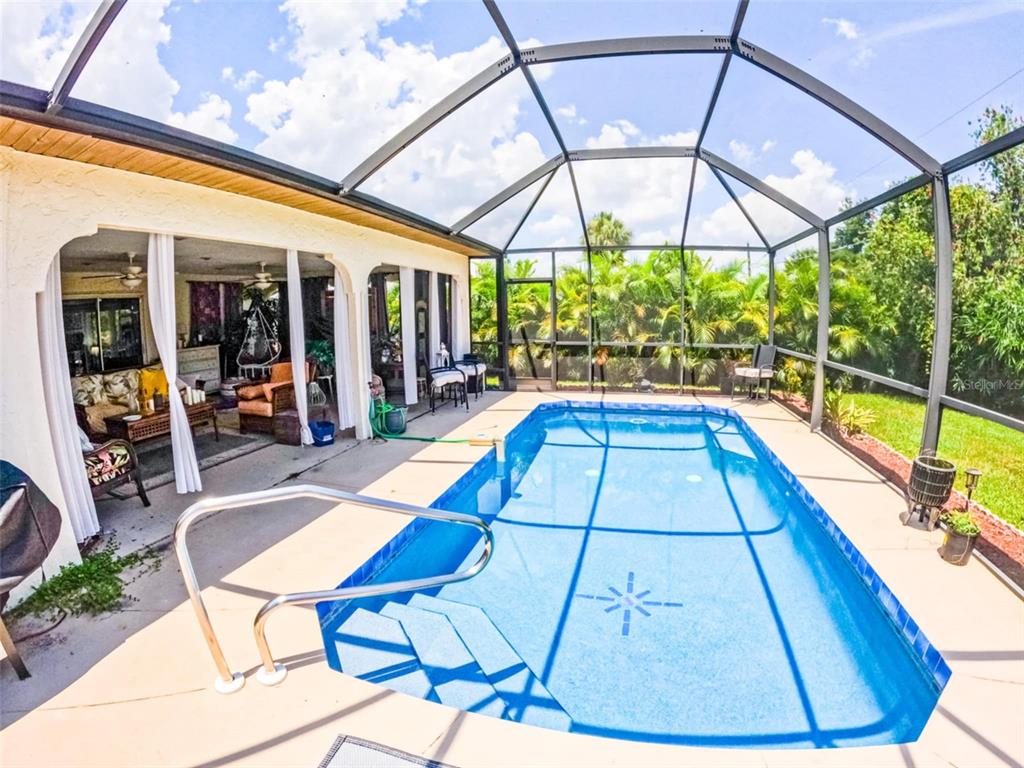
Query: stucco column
point(363, 368)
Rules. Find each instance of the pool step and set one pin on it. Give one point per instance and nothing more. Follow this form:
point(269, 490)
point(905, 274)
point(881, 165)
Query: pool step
point(457, 678)
point(376, 649)
point(527, 698)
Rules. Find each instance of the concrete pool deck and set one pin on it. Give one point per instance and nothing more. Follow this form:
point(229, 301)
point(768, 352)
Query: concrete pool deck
point(134, 688)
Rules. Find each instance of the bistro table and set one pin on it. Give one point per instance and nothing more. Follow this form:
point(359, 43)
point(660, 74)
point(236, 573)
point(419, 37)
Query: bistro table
point(158, 423)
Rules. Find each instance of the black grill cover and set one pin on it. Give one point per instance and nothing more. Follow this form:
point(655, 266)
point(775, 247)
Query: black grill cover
point(29, 524)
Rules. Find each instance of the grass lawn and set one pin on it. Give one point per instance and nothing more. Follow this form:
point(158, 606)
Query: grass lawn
point(969, 441)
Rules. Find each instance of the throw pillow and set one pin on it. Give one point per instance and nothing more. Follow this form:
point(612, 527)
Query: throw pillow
point(122, 387)
point(88, 389)
point(268, 389)
point(152, 382)
point(251, 392)
point(280, 372)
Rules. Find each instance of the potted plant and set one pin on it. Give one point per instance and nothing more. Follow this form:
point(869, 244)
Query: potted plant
point(961, 533)
point(322, 351)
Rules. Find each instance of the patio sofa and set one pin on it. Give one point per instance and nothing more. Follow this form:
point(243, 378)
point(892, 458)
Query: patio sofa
point(98, 396)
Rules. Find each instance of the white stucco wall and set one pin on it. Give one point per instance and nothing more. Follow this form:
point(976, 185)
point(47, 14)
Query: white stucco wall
point(46, 202)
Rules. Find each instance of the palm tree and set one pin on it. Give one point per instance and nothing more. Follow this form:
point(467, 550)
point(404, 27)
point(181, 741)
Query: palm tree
point(605, 229)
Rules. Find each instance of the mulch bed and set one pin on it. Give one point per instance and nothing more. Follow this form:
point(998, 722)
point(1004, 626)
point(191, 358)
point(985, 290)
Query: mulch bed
point(999, 541)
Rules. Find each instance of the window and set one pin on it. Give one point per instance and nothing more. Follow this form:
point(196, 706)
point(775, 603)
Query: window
point(102, 335)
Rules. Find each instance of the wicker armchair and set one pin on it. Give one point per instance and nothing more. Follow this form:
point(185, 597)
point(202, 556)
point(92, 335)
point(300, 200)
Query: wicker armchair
point(260, 400)
point(112, 464)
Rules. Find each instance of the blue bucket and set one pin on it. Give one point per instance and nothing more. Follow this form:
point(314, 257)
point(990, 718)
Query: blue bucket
point(323, 432)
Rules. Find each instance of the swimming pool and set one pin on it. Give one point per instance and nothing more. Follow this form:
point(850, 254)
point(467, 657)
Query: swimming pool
point(658, 575)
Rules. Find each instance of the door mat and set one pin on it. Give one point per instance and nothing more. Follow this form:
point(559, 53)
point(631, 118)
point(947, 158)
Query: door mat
point(350, 752)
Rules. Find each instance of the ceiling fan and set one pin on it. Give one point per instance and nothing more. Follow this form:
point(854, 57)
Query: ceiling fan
point(263, 278)
point(131, 276)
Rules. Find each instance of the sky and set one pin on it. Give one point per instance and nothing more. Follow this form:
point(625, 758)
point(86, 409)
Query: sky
point(320, 85)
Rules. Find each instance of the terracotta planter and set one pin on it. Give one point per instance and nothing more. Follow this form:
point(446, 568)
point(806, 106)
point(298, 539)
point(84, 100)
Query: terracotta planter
point(957, 548)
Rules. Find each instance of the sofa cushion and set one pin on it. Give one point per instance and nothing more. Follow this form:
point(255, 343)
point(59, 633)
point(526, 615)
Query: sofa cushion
point(444, 378)
point(122, 387)
point(95, 414)
point(472, 368)
point(107, 463)
point(88, 389)
point(256, 407)
point(280, 372)
point(250, 392)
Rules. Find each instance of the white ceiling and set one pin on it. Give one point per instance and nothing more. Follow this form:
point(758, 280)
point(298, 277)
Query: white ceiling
point(107, 251)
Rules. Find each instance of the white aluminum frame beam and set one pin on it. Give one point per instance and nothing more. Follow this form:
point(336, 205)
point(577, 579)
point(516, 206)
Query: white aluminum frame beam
point(844, 105)
point(821, 349)
point(478, 84)
point(743, 210)
point(82, 52)
point(765, 189)
point(627, 46)
point(624, 153)
point(938, 376)
point(508, 193)
point(506, 33)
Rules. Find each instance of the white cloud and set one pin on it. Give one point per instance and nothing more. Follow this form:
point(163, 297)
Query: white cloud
point(37, 39)
point(568, 113)
point(647, 194)
point(862, 57)
point(844, 27)
point(211, 118)
point(746, 155)
point(357, 88)
point(741, 152)
point(614, 134)
point(958, 16)
point(242, 82)
point(813, 186)
point(125, 72)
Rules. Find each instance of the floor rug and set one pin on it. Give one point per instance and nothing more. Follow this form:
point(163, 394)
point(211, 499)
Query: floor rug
point(350, 752)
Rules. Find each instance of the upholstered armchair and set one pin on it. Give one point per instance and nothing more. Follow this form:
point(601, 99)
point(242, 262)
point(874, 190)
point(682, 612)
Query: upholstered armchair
point(112, 464)
point(260, 400)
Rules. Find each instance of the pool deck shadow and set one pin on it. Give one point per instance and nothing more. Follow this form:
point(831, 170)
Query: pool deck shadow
point(134, 688)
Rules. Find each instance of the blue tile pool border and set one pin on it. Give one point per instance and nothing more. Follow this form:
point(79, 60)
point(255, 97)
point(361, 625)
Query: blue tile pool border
point(926, 653)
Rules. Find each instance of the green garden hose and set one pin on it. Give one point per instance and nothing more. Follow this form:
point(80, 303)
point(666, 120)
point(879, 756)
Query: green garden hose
point(377, 421)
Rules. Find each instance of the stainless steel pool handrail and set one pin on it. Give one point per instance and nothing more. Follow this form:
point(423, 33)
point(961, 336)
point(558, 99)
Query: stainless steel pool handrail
point(271, 673)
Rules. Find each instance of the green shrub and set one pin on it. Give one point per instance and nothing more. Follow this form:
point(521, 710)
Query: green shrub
point(846, 414)
point(961, 522)
point(93, 586)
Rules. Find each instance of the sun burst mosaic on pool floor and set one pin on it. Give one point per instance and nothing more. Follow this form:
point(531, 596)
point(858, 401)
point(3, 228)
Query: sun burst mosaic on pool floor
point(628, 602)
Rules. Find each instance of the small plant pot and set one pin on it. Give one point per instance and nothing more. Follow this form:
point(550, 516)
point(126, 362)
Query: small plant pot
point(394, 421)
point(957, 548)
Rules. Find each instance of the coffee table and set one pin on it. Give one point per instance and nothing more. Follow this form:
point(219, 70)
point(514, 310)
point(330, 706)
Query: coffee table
point(158, 423)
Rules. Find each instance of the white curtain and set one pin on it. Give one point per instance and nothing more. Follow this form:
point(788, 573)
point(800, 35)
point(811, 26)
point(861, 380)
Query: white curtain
point(407, 293)
point(433, 304)
point(343, 361)
point(460, 323)
point(297, 337)
point(160, 292)
point(60, 408)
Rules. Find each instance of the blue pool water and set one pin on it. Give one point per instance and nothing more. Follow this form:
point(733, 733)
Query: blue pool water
point(657, 575)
